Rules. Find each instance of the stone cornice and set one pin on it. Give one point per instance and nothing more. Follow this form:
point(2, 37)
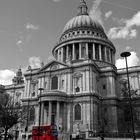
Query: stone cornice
point(8, 87)
point(134, 69)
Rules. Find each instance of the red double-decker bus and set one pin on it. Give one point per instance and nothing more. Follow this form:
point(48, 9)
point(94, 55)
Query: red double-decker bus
point(44, 132)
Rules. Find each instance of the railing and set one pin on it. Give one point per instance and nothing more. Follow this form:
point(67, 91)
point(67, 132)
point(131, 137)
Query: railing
point(113, 135)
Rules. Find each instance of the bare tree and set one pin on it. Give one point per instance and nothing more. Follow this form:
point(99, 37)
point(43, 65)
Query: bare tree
point(126, 106)
point(9, 113)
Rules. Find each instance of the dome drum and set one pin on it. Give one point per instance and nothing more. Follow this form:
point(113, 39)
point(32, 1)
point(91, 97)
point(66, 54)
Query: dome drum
point(84, 50)
point(83, 32)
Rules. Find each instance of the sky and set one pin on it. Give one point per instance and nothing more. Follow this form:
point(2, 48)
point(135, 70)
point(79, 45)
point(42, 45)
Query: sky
point(29, 29)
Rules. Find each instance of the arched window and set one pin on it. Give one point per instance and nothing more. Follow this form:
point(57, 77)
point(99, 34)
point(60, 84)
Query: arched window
point(54, 84)
point(77, 112)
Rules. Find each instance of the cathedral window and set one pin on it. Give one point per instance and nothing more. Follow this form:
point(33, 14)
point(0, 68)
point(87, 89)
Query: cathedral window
point(77, 112)
point(54, 84)
point(83, 32)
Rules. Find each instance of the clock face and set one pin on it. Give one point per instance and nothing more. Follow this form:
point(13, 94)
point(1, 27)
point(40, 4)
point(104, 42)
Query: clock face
point(54, 67)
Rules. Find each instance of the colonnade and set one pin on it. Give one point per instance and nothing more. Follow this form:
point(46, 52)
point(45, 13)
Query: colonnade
point(50, 113)
point(77, 51)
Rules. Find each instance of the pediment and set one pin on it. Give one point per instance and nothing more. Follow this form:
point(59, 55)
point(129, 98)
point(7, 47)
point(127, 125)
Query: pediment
point(53, 65)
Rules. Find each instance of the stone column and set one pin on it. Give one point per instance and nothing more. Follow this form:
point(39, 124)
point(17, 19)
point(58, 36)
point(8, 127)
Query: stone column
point(57, 113)
point(95, 119)
point(105, 54)
point(110, 55)
point(67, 53)
point(100, 53)
point(65, 117)
point(36, 115)
point(80, 50)
point(87, 50)
point(113, 57)
point(50, 112)
point(93, 51)
point(62, 54)
point(73, 51)
point(58, 54)
point(42, 113)
point(45, 115)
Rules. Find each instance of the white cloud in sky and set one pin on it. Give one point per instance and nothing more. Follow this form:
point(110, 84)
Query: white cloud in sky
point(19, 42)
point(6, 76)
point(127, 31)
point(32, 27)
point(108, 14)
point(95, 11)
point(35, 62)
point(122, 33)
point(132, 60)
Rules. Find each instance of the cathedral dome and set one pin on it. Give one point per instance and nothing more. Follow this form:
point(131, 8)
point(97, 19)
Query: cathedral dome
point(81, 24)
point(84, 38)
point(83, 21)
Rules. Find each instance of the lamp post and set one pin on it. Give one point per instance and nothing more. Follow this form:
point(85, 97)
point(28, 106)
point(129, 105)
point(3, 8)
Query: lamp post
point(30, 69)
point(125, 55)
point(40, 89)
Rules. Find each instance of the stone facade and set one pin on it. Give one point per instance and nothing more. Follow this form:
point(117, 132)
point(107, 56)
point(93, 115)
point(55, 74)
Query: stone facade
point(82, 88)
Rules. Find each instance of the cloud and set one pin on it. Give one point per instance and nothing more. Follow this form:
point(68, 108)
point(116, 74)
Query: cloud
point(35, 62)
point(19, 42)
point(127, 31)
point(122, 32)
point(32, 27)
point(135, 20)
point(133, 60)
point(108, 14)
point(6, 76)
point(95, 11)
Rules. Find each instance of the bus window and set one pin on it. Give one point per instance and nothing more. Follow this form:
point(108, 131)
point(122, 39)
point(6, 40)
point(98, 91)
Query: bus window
point(44, 132)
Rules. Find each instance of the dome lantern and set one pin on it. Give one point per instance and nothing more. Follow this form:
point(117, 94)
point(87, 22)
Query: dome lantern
point(83, 8)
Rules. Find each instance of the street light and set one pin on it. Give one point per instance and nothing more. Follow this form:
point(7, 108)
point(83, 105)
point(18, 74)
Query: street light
point(125, 55)
point(30, 69)
point(40, 89)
